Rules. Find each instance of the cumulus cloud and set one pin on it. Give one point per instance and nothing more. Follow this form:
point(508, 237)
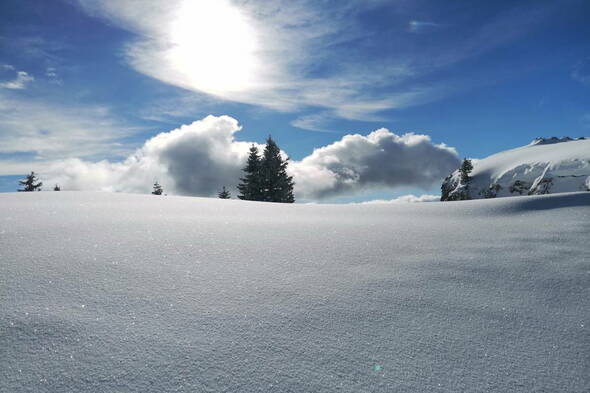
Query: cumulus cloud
point(195, 159)
point(200, 158)
point(381, 159)
point(19, 82)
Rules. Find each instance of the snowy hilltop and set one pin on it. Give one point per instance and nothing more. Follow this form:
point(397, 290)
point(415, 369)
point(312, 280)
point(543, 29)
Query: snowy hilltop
point(108, 292)
point(545, 166)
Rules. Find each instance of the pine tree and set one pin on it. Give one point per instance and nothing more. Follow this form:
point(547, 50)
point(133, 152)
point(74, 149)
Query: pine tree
point(158, 190)
point(56, 188)
point(277, 185)
point(250, 184)
point(29, 183)
point(466, 168)
point(224, 194)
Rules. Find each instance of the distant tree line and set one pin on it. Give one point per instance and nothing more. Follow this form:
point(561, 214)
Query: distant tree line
point(265, 178)
point(31, 183)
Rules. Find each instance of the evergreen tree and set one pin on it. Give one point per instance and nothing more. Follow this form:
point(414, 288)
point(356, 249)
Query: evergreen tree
point(29, 183)
point(466, 168)
point(56, 188)
point(224, 194)
point(250, 184)
point(158, 190)
point(277, 185)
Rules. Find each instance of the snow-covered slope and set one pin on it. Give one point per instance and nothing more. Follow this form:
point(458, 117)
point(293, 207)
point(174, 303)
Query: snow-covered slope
point(545, 166)
point(139, 293)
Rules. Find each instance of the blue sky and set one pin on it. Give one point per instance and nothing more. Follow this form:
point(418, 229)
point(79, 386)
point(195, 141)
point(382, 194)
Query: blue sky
point(93, 80)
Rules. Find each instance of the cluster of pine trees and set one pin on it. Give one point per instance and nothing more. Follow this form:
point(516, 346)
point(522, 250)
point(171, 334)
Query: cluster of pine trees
point(266, 177)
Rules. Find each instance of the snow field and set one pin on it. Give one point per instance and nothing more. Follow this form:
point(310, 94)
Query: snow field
point(139, 293)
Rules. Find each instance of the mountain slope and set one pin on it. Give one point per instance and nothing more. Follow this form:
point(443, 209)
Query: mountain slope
point(108, 292)
point(546, 166)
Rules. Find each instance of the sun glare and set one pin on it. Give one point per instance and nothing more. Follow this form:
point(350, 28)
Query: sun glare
point(214, 46)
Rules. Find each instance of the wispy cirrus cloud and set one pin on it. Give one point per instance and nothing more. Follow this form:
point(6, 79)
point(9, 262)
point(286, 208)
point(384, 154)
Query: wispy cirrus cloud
point(417, 26)
point(241, 51)
point(295, 56)
point(46, 132)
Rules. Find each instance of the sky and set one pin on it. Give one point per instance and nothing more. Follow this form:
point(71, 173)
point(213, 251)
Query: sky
point(371, 100)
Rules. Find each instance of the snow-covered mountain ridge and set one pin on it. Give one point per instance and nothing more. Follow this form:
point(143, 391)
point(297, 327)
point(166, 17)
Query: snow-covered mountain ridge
point(545, 166)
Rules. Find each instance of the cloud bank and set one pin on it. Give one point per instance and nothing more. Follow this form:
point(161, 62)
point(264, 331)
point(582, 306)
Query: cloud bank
point(200, 158)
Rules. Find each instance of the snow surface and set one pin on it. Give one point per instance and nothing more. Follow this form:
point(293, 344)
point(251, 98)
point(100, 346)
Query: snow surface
point(562, 164)
point(108, 292)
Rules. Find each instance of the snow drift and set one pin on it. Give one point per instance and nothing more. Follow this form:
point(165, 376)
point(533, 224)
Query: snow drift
point(108, 292)
point(546, 166)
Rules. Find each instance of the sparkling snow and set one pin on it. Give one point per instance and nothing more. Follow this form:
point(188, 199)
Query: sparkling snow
point(108, 292)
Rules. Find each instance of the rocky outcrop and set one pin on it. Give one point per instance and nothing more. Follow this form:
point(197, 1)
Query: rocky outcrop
point(545, 166)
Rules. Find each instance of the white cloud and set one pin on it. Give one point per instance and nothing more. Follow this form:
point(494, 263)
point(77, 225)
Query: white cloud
point(313, 122)
point(245, 52)
point(19, 82)
point(410, 198)
point(268, 53)
point(43, 131)
point(198, 159)
point(195, 159)
point(417, 26)
point(381, 159)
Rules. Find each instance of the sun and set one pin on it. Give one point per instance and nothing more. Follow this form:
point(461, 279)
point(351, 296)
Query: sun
point(213, 44)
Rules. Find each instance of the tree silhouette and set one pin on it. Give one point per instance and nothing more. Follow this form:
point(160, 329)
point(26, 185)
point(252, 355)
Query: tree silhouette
point(29, 183)
point(157, 189)
point(56, 188)
point(224, 194)
point(266, 177)
point(466, 168)
point(250, 184)
point(277, 185)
